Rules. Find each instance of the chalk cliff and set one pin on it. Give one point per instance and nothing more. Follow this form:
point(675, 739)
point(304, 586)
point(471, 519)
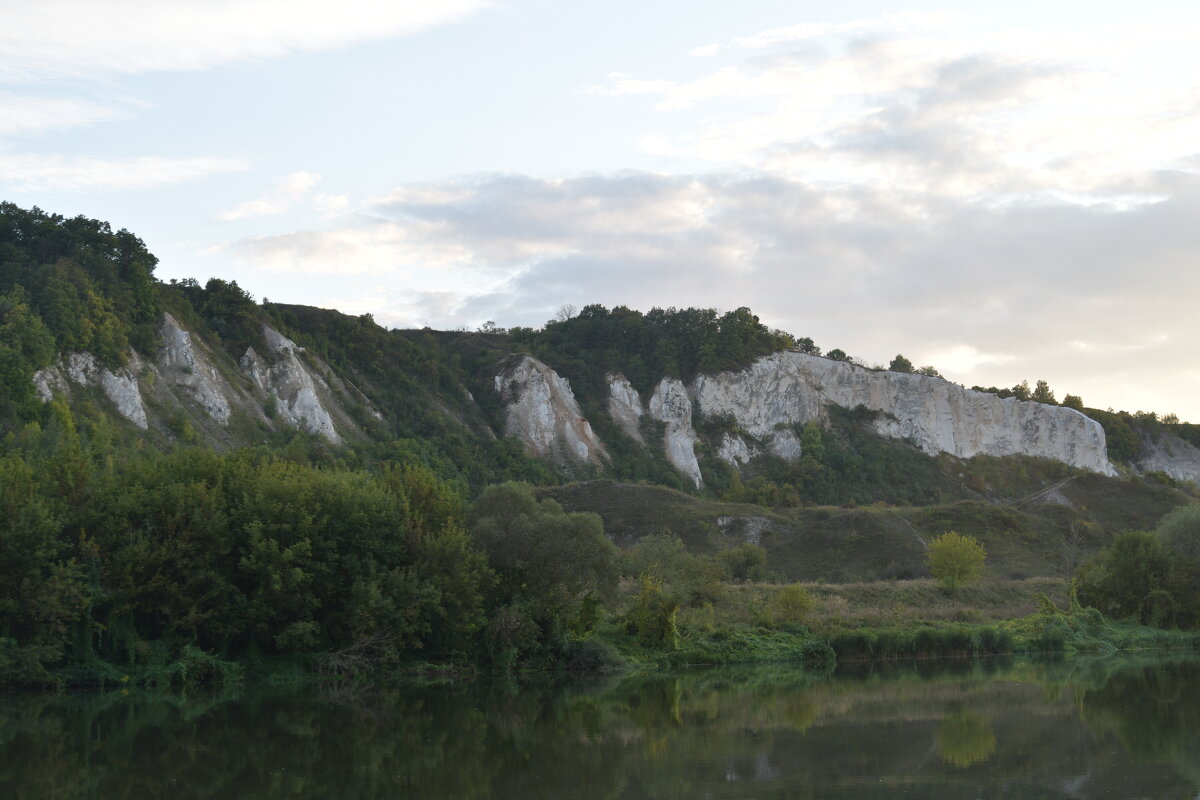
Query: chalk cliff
point(1172, 455)
point(293, 386)
point(82, 369)
point(183, 382)
point(778, 392)
point(671, 404)
point(542, 412)
point(938, 416)
point(190, 369)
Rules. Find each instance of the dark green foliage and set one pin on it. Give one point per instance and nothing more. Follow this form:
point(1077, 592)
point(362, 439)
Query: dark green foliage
point(93, 289)
point(901, 364)
point(131, 561)
point(553, 568)
point(680, 343)
point(1139, 578)
point(1119, 434)
point(1180, 530)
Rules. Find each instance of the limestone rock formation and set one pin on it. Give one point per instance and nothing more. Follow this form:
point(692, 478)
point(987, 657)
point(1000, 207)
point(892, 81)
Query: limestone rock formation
point(542, 412)
point(82, 369)
point(290, 382)
point(191, 371)
point(784, 389)
point(1172, 455)
point(671, 404)
point(625, 406)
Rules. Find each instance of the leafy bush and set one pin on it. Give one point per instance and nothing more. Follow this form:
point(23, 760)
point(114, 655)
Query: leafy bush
point(955, 559)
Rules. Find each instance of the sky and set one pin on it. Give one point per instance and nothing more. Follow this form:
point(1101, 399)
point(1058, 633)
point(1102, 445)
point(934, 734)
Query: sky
point(1004, 192)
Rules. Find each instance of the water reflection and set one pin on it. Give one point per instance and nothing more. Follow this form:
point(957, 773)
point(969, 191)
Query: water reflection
point(1072, 729)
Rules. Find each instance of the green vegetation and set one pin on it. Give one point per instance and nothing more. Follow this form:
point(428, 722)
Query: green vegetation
point(147, 557)
point(955, 559)
point(678, 343)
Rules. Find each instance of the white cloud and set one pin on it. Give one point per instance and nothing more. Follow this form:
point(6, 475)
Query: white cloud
point(905, 104)
point(23, 114)
point(286, 193)
point(85, 37)
point(24, 172)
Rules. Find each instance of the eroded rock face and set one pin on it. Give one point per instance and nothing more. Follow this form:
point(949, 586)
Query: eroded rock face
point(82, 369)
point(734, 450)
point(542, 412)
point(295, 389)
point(625, 406)
point(671, 404)
point(1172, 455)
point(934, 414)
point(180, 362)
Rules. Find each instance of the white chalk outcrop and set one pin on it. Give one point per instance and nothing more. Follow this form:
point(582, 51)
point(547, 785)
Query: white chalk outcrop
point(1172, 455)
point(82, 369)
point(784, 389)
point(671, 404)
point(625, 406)
point(542, 412)
point(734, 450)
point(190, 371)
point(286, 378)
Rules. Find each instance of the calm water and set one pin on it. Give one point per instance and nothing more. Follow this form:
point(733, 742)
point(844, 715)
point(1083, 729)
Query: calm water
point(1078, 729)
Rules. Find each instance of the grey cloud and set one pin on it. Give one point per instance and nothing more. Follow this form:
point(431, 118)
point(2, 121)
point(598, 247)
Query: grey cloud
point(1087, 297)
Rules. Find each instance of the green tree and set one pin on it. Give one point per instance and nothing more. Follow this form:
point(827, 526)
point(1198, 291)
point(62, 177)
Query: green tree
point(901, 364)
point(1180, 530)
point(805, 345)
point(1073, 401)
point(955, 559)
point(549, 563)
point(1129, 579)
point(1043, 394)
point(837, 354)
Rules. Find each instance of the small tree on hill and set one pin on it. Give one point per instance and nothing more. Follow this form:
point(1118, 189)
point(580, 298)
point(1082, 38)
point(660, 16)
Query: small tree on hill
point(901, 364)
point(955, 559)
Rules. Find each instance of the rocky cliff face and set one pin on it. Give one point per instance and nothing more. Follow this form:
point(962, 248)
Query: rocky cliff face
point(82, 369)
point(671, 404)
point(1172, 455)
point(625, 406)
point(294, 389)
point(542, 412)
point(781, 391)
point(183, 381)
point(191, 371)
point(938, 416)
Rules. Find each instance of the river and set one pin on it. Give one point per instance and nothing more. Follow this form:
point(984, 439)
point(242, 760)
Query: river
point(1079, 728)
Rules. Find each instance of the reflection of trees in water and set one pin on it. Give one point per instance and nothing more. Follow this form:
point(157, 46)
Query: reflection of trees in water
point(657, 736)
point(1154, 711)
point(964, 739)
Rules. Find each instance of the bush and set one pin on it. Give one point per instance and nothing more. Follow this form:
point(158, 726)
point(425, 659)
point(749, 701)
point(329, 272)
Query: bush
point(791, 603)
point(955, 559)
point(653, 615)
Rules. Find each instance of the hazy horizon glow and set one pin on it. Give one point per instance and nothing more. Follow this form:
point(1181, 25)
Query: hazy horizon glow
point(1005, 194)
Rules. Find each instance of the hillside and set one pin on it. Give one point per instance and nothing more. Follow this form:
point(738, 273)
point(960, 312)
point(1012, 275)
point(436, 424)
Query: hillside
point(716, 405)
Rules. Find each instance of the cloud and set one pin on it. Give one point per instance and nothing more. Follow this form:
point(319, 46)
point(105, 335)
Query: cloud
point(82, 38)
point(988, 294)
point(286, 193)
point(24, 114)
point(50, 173)
point(907, 104)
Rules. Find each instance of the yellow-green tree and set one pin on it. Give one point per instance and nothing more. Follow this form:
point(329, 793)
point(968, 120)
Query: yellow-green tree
point(955, 559)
